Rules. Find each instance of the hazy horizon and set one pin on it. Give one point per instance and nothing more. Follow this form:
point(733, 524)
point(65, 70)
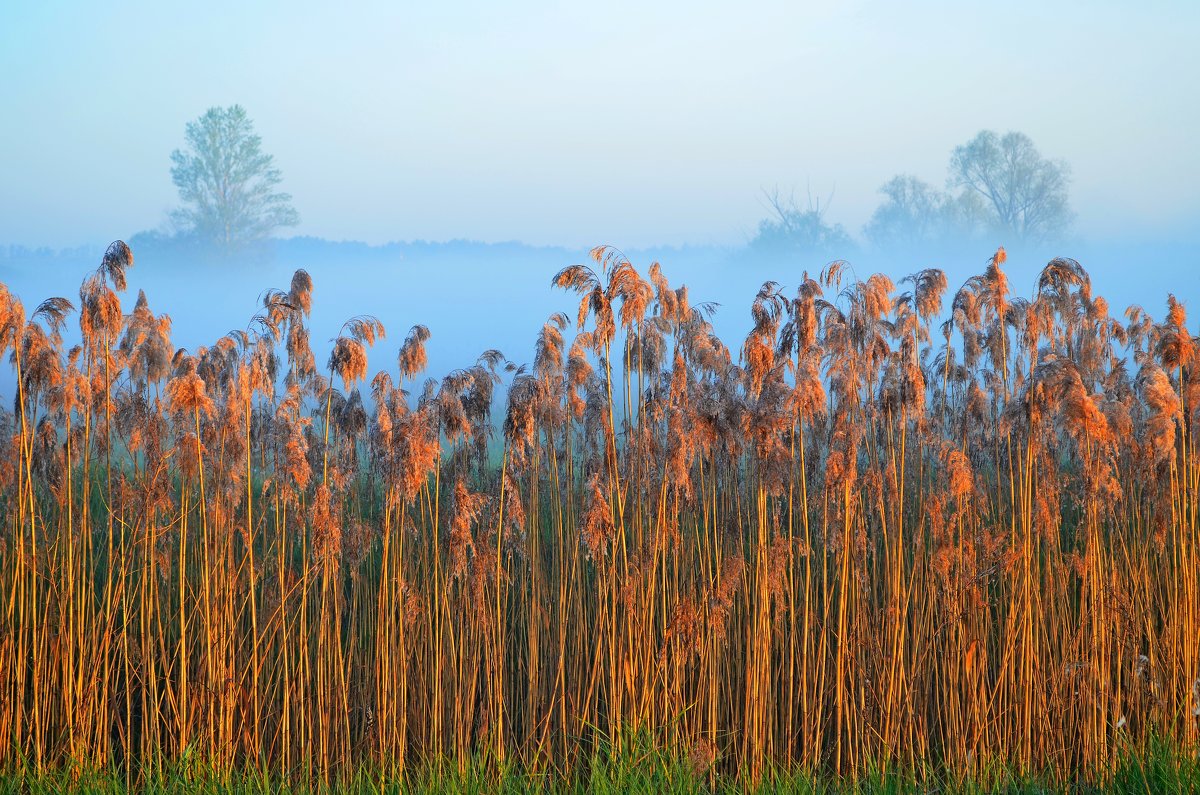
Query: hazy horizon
point(575, 127)
point(614, 397)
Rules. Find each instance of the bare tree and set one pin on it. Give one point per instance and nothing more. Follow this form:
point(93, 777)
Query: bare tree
point(1025, 193)
point(800, 231)
point(916, 213)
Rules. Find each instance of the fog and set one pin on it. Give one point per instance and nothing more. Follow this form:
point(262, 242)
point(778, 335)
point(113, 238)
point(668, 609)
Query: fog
point(638, 124)
point(475, 296)
point(655, 131)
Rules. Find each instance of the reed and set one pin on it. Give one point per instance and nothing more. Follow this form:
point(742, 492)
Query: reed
point(887, 532)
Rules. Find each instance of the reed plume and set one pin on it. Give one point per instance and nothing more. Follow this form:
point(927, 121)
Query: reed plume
point(899, 524)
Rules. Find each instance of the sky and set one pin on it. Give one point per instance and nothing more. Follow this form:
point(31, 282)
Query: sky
point(572, 124)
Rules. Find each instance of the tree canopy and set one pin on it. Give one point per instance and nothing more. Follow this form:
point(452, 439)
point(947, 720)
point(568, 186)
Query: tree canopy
point(227, 182)
point(1006, 192)
point(1025, 193)
point(914, 212)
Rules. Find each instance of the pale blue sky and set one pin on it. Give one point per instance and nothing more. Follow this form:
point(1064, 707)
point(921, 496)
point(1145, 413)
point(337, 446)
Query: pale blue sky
point(579, 123)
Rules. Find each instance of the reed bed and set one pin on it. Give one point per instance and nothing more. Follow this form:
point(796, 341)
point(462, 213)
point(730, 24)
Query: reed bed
point(894, 528)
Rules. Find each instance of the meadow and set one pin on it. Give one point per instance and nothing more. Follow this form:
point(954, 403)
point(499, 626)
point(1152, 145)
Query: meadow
point(902, 536)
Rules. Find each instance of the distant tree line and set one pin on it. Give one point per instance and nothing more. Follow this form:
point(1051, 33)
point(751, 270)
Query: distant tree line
point(998, 187)
point(999, 190)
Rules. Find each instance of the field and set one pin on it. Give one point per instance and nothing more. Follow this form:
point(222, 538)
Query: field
point(902, 536)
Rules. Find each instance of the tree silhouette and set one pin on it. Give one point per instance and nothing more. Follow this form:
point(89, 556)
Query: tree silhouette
point(227, 183)
point(795, 231)
point(914, 213)
point(1025, 193)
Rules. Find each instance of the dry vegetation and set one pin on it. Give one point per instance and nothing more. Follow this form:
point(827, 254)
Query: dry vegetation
point(864, 537)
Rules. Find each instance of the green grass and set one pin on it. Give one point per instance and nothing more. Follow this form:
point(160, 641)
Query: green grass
point(634, 767)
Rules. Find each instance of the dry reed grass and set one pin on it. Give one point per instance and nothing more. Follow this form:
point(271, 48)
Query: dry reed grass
point(857, 546)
